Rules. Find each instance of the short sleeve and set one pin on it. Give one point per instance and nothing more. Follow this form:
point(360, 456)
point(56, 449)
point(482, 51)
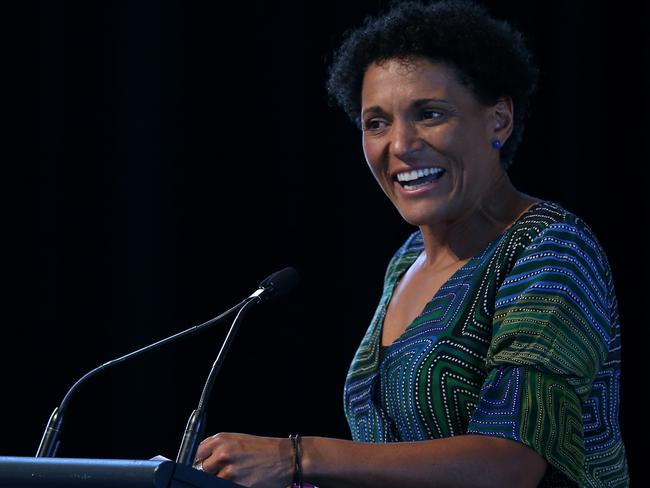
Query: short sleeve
point(552, 328)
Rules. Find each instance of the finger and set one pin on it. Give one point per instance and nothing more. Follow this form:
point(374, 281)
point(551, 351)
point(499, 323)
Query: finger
point(213, 465)
point(207, 466)
point(205, 448)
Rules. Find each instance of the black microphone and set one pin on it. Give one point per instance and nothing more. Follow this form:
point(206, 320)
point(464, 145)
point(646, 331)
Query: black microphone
point(276, 284)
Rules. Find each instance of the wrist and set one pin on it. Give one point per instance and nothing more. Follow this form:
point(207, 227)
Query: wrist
point(299, 463)
point(309, 459)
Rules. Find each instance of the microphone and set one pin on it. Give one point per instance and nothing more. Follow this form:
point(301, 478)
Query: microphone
point(277, 284)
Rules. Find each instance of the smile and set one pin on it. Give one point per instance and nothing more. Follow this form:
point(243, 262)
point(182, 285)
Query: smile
point(418, 178)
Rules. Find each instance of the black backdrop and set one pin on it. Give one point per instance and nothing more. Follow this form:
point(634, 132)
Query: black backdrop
point(162, 157)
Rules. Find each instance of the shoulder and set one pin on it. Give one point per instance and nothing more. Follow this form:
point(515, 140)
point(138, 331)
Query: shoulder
point(549, 226)
point(561, 258)
point(544, 217)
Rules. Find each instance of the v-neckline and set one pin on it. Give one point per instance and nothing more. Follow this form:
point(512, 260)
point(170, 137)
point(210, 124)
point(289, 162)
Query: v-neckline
point(411, 260)
point(397, 279)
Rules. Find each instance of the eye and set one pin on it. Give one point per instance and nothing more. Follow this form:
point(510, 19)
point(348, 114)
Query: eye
point(374, 124)
point(432, 114)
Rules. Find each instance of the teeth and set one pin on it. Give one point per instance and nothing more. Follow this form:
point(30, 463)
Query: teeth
point(417, 173)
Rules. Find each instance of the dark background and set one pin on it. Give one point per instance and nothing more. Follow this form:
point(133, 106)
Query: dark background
point(163, 157)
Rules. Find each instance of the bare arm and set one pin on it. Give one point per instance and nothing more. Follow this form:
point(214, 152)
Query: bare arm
point(462, 461)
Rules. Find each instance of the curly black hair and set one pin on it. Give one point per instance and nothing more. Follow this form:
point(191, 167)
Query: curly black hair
point(488, 55)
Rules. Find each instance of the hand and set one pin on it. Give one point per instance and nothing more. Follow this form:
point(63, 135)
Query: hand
point(248, 460)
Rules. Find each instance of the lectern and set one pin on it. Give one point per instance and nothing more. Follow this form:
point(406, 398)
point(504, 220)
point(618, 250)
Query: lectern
point(22, 472)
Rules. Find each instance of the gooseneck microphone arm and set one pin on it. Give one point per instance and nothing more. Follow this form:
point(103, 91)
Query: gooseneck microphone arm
point(195, 424)
point(277, 284)
point(51, 436)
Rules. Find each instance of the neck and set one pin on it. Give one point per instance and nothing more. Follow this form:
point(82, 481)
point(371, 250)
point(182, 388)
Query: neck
point(463, 237)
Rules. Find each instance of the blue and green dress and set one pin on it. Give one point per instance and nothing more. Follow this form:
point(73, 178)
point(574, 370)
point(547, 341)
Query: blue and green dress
point(522, 342)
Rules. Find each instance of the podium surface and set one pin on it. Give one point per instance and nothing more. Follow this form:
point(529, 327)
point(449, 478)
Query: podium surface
point(19, 472)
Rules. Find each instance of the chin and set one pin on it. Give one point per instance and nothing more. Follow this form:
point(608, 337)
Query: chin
point(421, 218)
point(425, 213)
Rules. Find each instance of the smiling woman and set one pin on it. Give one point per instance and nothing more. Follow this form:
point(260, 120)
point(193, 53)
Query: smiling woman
point(416, 116)
point(493, 358)
point(427, 141)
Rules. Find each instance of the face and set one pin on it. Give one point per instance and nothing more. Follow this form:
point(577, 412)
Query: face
point(428, 140)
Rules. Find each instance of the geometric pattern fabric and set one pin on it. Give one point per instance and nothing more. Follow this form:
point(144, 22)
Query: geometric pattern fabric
point(522, 342)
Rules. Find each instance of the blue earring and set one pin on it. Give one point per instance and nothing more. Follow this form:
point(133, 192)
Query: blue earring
point(496, 144)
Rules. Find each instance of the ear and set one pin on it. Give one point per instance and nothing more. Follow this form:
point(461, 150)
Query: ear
point(502, 116)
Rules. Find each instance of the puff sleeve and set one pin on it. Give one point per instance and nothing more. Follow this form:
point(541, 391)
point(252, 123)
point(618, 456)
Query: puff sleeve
point(552, 329)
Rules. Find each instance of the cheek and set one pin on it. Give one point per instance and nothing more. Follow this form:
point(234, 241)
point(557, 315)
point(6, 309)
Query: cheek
point(451, 138)
point(458, 145)
point(446, 139)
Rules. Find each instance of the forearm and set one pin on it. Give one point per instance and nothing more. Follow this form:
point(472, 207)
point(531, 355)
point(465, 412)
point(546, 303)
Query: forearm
point(462, 461)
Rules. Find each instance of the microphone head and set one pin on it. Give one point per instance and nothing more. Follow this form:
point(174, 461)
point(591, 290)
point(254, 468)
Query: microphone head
point(280, 283)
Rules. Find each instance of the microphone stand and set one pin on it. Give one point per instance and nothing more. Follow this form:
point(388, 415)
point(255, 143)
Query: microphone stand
point(50, 440)
point(196, 423)
point(276, 284)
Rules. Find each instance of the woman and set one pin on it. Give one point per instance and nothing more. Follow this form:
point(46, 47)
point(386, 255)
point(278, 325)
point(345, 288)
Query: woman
point(496, 342)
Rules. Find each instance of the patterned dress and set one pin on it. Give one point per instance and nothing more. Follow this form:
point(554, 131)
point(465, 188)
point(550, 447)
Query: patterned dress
point(522, 342)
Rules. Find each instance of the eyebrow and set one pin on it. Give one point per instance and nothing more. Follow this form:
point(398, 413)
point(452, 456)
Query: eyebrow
point(423, 101)
point(375, 109)
point(420, 102)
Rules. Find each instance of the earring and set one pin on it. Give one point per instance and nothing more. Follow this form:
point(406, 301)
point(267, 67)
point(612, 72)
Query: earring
point(496, 144)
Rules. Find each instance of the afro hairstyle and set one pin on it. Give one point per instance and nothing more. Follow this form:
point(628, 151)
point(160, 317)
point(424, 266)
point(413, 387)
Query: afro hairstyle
point(488, 55)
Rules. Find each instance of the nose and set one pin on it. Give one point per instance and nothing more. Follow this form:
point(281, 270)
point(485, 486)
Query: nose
point(406, 141)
